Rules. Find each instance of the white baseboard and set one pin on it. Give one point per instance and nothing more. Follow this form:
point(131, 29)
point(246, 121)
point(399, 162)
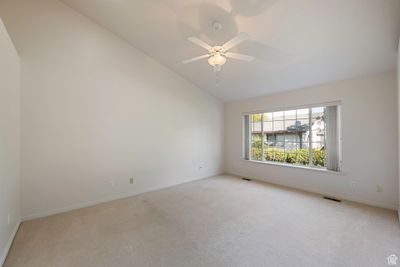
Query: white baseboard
point(9, 243)
point(389, 206)
point(107, 199)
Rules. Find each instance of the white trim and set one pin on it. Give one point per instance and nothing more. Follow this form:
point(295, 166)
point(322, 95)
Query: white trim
point(246, 154)
point(108, 199)
point(309, 168)
point(309, 107)
point(287, 108)
point(390, 206)
point(9, 243)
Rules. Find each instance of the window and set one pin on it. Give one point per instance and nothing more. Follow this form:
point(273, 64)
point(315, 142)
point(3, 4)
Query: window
point(309, 136)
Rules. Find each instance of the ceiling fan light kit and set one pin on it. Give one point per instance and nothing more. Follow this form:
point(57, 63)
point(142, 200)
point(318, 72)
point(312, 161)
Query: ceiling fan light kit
point(217, 59)
point(217, 55)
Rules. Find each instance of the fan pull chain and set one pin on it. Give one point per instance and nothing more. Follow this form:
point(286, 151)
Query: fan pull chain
point(216, 79)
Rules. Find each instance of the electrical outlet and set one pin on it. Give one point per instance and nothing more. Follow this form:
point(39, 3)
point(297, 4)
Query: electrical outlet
point(8, 219)
point(131, 180)
point(379, 188)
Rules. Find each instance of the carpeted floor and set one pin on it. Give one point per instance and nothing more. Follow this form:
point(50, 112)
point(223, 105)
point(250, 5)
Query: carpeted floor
point(220, 221)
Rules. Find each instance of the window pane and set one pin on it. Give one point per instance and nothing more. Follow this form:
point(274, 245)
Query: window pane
point(267, 116)
point(291, 125)
point(278, 126)
point(302, 123)
point(291, 146)
point(305, 145)
point(256, 123)
point(305, 138)
point(256, 127)
point(269, 154)
point(278, 115)
point(280, 138)
point(303, 155)
point(318, 145)
point(280, 145)
point(319, 157)
point(256, 117)
point(291, 152)
point(290, 115)
point(317, 112)
point(293, 138)
point(266, 146)
point(278, 152)
point(318, 128)
point(302, 114)
point(271, 140)
point(268, 126)
point(256, 146)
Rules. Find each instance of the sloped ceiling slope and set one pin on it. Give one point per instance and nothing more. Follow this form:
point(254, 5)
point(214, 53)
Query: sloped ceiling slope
point(297, 43)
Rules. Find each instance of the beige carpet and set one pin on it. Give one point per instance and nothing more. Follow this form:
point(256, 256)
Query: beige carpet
point(221, 221)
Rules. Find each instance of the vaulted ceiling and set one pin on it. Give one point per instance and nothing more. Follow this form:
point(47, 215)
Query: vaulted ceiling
point(297, 43)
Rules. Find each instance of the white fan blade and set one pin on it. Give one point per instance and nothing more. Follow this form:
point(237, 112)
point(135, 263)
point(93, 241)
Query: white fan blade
point(195, 59)
point(199, 42)
point(239, 56)
point(235, 41)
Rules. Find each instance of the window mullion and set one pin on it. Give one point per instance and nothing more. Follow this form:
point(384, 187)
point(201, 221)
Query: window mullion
point(273, 129)
point(284, 135)
point(251, 137)
point(262, 136)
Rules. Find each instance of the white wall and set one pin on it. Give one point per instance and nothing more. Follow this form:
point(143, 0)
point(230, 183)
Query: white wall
point(9, 141)
point(369, 131)
point(96, 111)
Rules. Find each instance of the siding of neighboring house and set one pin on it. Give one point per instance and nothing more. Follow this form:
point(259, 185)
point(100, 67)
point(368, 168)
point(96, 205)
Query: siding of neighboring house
point(288, 137)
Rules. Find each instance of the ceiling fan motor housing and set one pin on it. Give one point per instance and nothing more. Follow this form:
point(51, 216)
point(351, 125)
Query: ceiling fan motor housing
point(217, 26)
point(216, 49)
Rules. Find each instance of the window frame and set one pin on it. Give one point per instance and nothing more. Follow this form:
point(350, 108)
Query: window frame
point(248, 157)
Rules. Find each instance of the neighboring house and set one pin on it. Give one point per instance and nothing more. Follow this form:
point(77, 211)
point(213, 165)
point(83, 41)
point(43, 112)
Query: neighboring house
point(294, 136)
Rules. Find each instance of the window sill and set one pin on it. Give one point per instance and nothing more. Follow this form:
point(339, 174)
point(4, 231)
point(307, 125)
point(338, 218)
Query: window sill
point(296, 167)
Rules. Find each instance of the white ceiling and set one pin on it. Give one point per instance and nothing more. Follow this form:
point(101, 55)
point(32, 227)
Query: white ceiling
point(297, 43)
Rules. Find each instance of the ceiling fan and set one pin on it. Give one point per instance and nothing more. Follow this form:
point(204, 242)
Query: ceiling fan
point(217, 55)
